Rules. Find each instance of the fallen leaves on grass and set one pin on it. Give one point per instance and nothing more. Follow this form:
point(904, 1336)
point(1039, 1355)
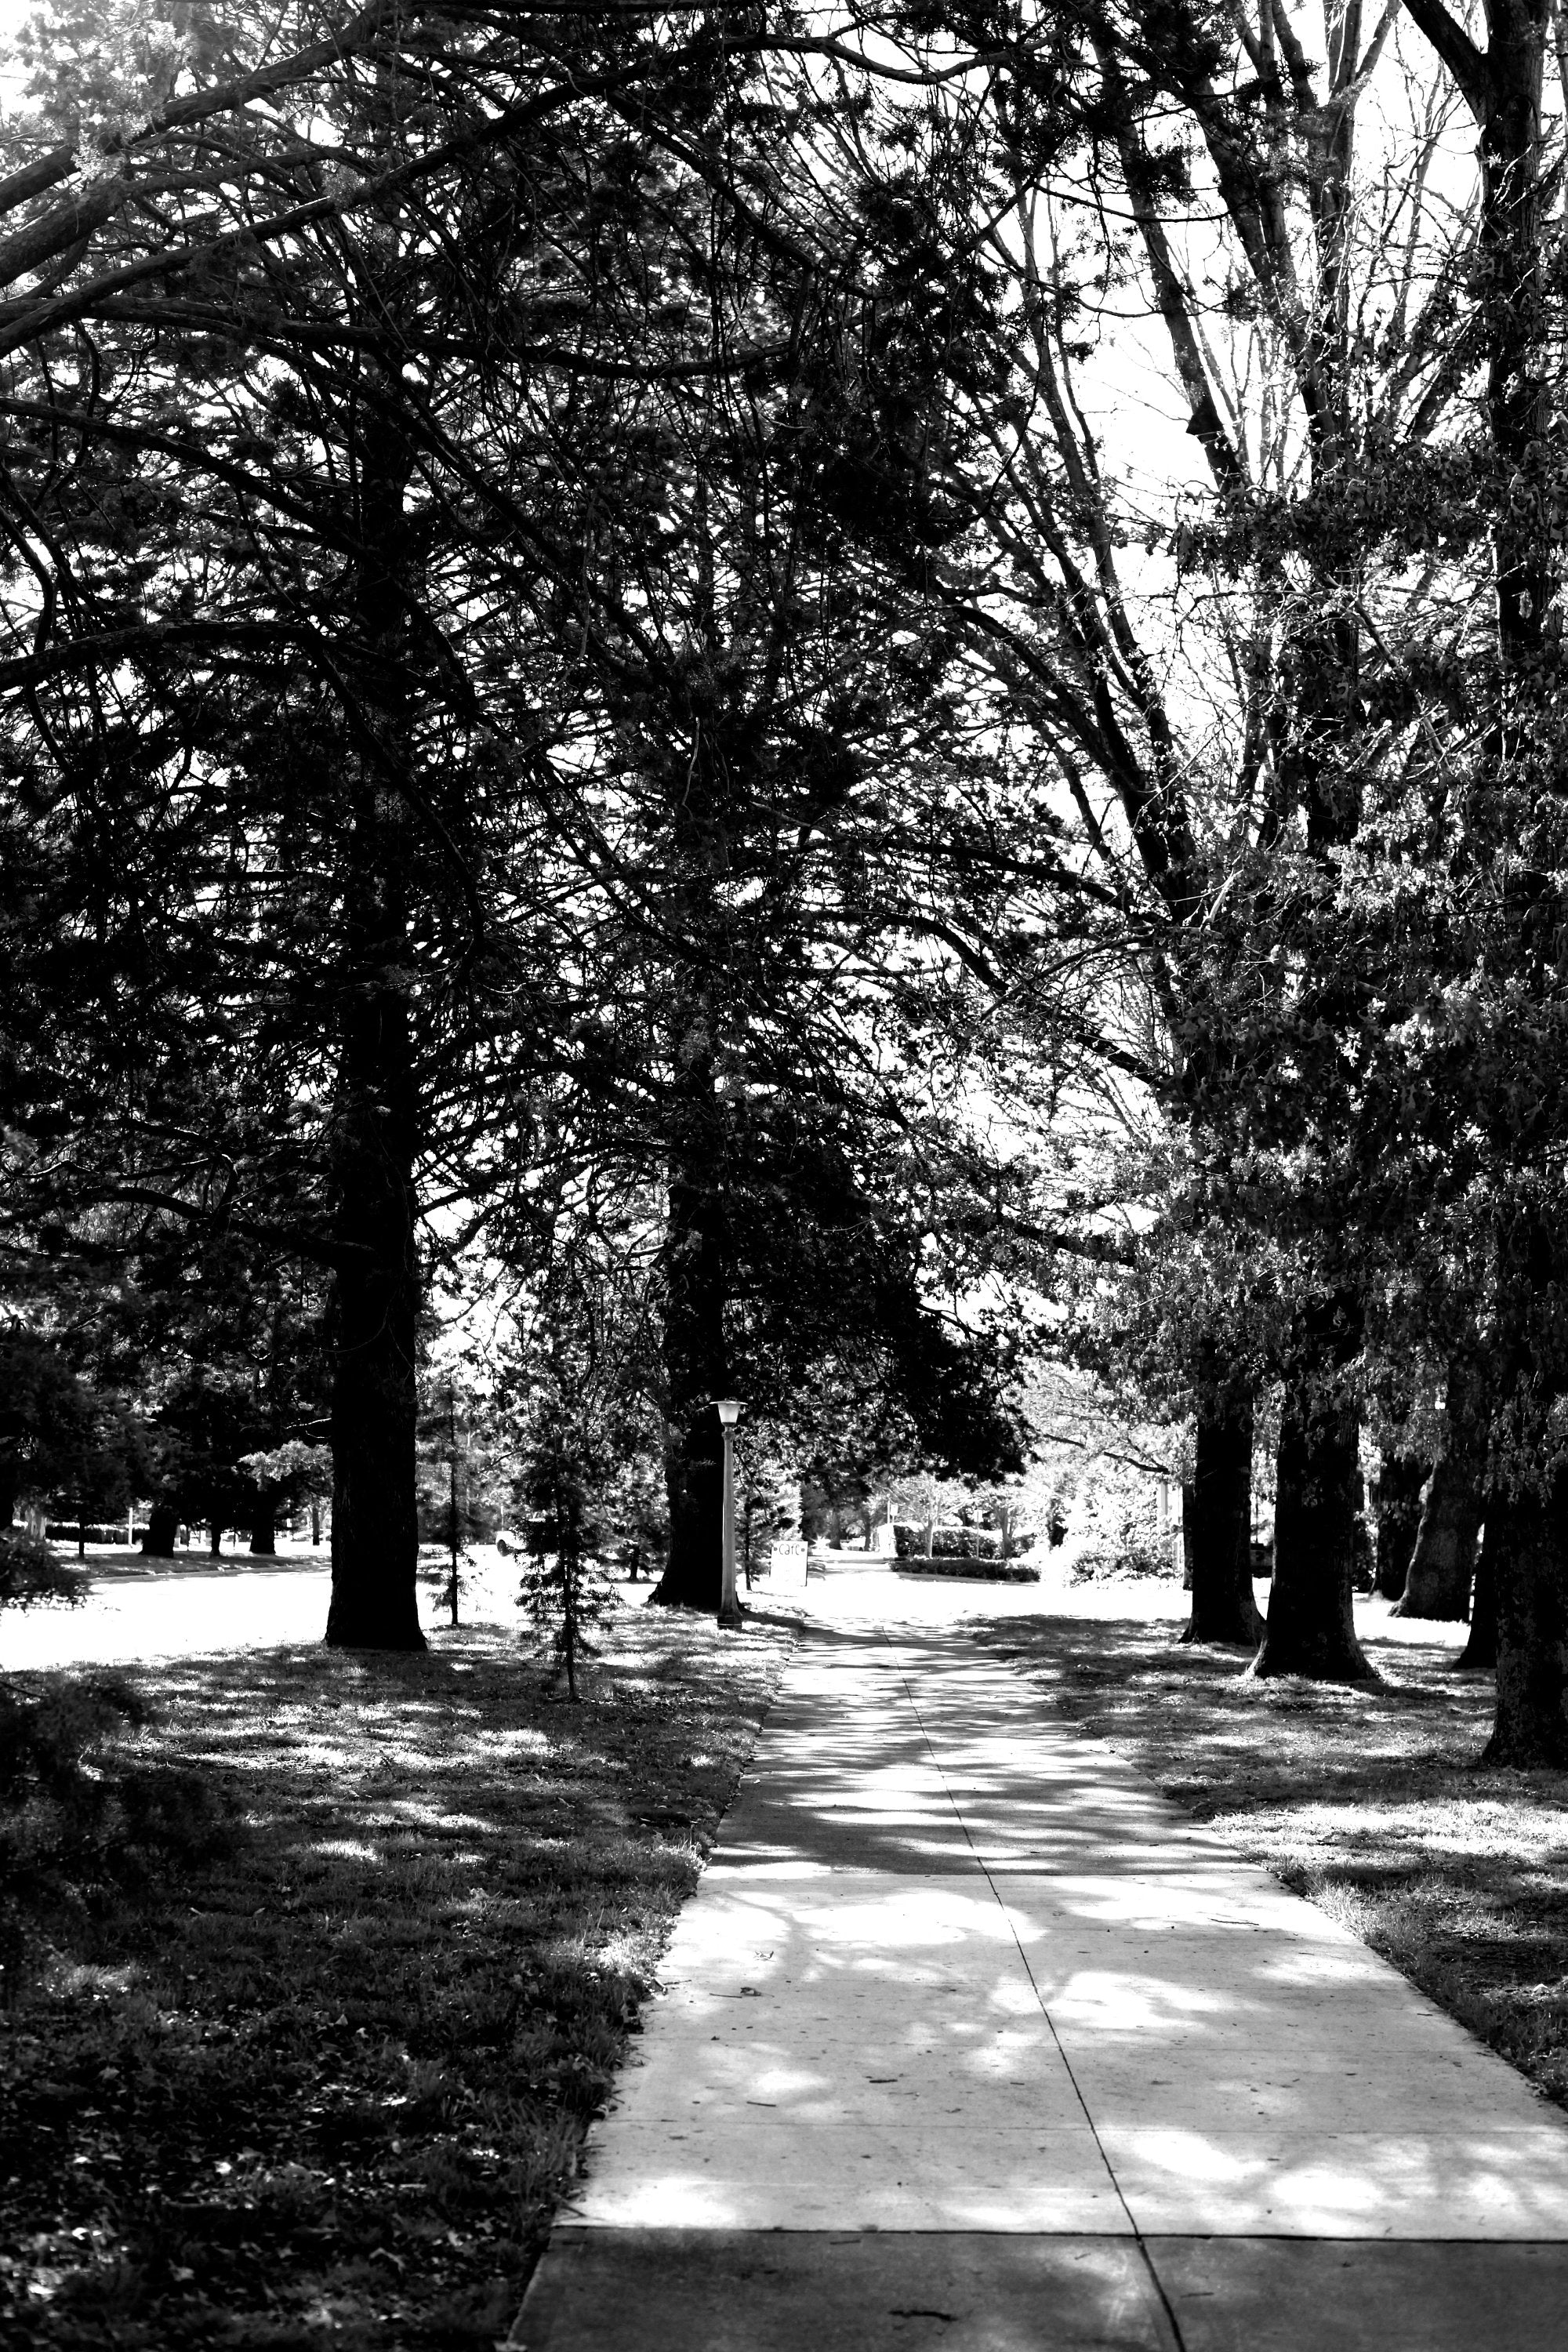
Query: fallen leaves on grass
point(329, 2085)
point(1367, 1799)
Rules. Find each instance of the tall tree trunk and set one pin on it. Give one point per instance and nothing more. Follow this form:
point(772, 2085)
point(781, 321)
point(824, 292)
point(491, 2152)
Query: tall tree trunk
point(159, 1534)
point(1444, 1560)
point(374, 1322)
point(1527, 1535)
point(263, 1529)
point(1397, 1497)
point(374, 1308)
point(8, 1486)
point(215, 1539)
point(1311, 1626)
point(1481, 1650)
point(1220, 1544)
point(1527, 1532)
point(696, 1356)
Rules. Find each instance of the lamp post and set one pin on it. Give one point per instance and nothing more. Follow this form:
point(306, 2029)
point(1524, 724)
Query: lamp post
point(729, 1411)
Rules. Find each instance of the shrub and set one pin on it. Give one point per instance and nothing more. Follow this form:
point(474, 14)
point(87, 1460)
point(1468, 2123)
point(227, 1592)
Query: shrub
point(1136, 1555)
point(30, 1572)
point(73, 1820)
point(947, 1543)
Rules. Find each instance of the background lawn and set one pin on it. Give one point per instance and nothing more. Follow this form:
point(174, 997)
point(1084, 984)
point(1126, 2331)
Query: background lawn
point(306, 2056)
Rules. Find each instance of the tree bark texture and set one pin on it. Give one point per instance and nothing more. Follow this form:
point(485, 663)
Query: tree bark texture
point(1397, 1497)
point(158, 1535)
point(1443, 1561)
point(375, 1314)
point(696, 1356)
point(1527, 1535)
point(1311, 1626)
point(1481, 1650)
point(1224, 1609)
point(374, 1305)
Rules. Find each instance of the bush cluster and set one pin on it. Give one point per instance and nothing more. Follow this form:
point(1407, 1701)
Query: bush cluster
point(1135, 1555)
point(76, 1819)
point(30, 1572)
point(948, 1543)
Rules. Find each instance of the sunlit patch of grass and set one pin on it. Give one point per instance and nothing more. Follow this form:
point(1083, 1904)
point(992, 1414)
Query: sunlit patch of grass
point(1368, 1799)
point(330, 2082)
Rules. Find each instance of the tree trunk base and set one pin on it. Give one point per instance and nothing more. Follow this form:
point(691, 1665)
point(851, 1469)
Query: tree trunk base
point(1527, 1535)
point(1480, 1651)
point(162, 1529)
point(1217, 1522)
point(367, 1628)
point(1311, 1627)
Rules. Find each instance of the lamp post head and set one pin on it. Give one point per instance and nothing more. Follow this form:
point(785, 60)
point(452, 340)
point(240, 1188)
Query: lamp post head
point(728, 1410)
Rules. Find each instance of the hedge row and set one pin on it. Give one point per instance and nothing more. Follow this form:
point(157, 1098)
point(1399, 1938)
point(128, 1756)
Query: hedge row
point(976, 1571)
point(948, 1543)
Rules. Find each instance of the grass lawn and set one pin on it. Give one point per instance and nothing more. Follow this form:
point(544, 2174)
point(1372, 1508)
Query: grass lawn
point(1368, 1801)
point(312, 2066)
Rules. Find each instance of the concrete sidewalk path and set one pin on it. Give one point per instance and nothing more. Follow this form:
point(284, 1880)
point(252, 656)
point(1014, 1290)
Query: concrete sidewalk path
point(967, 2038)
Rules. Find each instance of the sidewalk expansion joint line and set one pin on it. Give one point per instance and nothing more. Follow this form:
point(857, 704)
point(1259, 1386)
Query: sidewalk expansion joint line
point(1155, 2278)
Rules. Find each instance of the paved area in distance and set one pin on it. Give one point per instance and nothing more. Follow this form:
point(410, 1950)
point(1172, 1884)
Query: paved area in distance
point(968, 2038)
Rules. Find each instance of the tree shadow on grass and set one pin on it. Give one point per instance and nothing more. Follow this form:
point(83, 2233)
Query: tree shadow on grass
point(1367, 1798)
point(334, 2078)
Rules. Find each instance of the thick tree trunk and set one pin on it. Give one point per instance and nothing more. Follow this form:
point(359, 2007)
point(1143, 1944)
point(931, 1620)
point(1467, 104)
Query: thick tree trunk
point(1444, 1560)
point(1481, 1650)
point(1311, 1626)
point(1220, 1551)
point(214, 1540)
point(264, 1531)
point(1397, 1497)
point(1527, 1542)
point(376, 1287)
point(8, 1485)
point(158, 1535)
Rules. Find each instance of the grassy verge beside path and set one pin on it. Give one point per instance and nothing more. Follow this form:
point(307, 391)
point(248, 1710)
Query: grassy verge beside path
point(324, 2085)
point(1369, 1802)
